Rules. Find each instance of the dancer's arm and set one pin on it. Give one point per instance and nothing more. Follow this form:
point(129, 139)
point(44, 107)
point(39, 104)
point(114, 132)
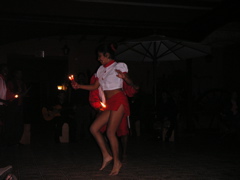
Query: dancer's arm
point(127, 79)
point(89, 87)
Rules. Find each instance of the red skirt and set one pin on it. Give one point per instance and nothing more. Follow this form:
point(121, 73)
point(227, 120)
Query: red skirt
point(113, 104)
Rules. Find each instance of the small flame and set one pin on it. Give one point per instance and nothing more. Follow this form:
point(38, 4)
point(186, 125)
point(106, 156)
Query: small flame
point(16, 96)
point(71, 77)
point(103, 105)
point(60, 87)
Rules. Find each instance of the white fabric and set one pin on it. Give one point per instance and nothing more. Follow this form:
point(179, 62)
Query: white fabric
point(3, 90)
point(107, 76)
point(101, 95)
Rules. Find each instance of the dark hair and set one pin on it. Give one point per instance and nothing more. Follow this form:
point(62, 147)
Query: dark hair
point(107, 48)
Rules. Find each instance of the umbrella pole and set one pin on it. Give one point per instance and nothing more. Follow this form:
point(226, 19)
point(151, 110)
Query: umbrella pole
point(155, 74)
point(190, 123)
point(155, 82)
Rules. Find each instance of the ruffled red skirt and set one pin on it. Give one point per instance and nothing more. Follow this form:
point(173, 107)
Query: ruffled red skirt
point(113, 104)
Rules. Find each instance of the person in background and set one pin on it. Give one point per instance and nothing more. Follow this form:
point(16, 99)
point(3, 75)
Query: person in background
point(168, 111)
point(110, 77)
point(6, 97)
point(3, 86)
point(136, 106)
point(16, 121)
point(231, 115)
point(3, 97)
point(4, 171)
point(56, 113)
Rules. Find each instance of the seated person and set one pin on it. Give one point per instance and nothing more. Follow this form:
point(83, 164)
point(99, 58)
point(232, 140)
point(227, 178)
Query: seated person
point(168, 111)
point(231, 115)
point(57, 113)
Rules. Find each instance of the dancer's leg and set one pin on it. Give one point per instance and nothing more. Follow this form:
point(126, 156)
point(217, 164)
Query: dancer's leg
point(101, 120)
point(113, 124)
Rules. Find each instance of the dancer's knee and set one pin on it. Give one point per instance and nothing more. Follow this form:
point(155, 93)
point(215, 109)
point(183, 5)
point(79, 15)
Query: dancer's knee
point(93, 130)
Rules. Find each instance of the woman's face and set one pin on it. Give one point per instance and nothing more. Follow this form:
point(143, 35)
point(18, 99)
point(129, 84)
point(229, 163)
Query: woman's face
point(103, 59)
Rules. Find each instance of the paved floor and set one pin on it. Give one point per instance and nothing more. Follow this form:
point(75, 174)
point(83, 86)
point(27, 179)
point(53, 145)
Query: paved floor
point(194, 158)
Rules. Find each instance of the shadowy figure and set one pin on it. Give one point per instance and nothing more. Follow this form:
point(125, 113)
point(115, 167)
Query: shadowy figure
point(17, 86)
point(58, 113)
point(168, 111)
point(6, 99)
point(231, 115)
point(3, 99)
point(136, 106)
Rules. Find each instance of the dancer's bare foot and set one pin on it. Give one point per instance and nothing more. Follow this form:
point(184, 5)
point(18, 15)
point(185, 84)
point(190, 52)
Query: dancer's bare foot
point(106, 161)
point(116, 169)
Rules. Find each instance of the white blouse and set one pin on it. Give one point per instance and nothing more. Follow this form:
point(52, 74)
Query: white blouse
point(107, 76)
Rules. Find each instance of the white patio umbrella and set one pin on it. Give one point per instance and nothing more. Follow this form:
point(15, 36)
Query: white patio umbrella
point(158, 48)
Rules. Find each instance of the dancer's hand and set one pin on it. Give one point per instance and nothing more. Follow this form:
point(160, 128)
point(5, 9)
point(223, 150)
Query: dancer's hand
point(102, 108)
point(126, 78)
point(120, 74)
point(74, 84)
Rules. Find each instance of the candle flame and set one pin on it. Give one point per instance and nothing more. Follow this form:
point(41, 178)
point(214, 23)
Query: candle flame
point(103, 105)
point(60, 87)
point(71, 77)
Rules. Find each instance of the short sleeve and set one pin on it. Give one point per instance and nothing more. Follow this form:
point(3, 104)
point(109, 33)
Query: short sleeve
point(100, 69)
point(122, 67)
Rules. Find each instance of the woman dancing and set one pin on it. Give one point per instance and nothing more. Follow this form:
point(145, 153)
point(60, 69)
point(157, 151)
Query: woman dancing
point(110, 76)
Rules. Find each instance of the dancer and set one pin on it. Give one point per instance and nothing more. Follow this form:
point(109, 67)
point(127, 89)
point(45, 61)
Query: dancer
point(97, 101)
point(110, 77)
